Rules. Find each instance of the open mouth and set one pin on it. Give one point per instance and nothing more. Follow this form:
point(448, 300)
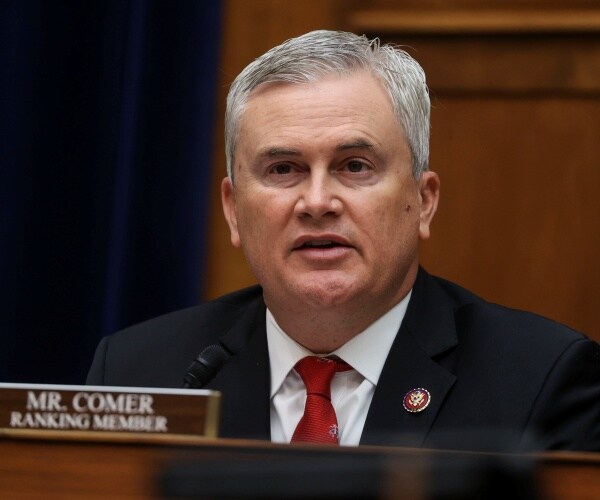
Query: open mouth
point(324, 245)
point(324, 250)
point(321, 244)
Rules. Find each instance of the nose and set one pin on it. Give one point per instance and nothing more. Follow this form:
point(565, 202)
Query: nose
point(318, 197)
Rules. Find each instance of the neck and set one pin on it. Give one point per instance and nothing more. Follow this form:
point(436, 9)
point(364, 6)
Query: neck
point(325, 330)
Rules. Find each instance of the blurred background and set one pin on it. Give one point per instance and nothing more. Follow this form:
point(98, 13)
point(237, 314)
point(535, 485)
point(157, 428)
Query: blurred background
point(111, 156)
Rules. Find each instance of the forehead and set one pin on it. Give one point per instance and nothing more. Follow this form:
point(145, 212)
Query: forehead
point(356, 104)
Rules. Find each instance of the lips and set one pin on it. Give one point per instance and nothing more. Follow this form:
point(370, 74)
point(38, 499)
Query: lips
point(320, 242)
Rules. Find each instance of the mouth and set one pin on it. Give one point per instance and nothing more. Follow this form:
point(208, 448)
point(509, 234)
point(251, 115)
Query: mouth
point(323, 251)
point(320, 244)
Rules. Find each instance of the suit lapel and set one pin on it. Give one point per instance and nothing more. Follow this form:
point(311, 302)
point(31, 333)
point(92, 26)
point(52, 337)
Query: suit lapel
point(244, 381)
point(427, 331)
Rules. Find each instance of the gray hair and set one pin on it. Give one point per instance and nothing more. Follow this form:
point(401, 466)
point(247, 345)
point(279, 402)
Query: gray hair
point(317, 54)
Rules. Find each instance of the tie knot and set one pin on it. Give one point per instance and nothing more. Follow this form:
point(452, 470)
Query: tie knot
point(317, 372)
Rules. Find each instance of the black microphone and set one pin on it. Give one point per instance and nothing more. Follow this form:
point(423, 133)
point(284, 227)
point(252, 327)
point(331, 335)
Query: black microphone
point(204, 368)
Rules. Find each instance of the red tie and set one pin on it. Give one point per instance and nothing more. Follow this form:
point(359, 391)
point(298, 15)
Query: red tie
point(319, 423)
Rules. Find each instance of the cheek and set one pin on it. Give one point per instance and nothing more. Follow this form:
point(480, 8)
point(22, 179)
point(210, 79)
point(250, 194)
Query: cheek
point(250, 224)
point(392, 212)
point(259, 219)
point(392, 221)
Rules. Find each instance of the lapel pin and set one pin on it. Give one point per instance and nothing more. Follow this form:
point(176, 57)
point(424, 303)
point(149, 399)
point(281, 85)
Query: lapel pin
point(416, 400)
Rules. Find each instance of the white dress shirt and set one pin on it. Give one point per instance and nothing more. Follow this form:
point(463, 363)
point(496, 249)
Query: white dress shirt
point(351, 391)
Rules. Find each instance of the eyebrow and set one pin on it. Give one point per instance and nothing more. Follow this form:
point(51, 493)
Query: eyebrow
point(355, 144)
point(279, 151)
point(276, 151)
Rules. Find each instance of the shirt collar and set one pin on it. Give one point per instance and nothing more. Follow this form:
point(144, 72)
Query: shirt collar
point(366, 352)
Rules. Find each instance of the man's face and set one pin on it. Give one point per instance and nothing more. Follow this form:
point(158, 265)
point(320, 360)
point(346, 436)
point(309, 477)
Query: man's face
point(324, 204)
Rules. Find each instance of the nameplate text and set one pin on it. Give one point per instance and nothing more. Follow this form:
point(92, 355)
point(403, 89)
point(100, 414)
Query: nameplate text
point(109, 409)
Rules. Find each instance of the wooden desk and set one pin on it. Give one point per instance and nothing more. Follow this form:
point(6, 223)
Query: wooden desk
point(61, 465)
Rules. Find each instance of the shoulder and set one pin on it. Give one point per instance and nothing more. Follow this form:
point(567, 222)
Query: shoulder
point(512, 328)
point(206, 320)
point(157, 352)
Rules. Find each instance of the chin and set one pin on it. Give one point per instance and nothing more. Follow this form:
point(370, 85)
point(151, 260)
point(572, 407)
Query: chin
point(326, 295)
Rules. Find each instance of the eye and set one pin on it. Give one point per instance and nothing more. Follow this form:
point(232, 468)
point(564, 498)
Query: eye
point(281, 169)
point(356, 166)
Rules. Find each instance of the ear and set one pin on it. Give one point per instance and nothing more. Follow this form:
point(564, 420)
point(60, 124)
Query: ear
point(228, 201)
point(429, 194)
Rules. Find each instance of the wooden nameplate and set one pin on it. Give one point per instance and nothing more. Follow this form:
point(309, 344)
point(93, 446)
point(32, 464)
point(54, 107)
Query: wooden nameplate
point(27, 408)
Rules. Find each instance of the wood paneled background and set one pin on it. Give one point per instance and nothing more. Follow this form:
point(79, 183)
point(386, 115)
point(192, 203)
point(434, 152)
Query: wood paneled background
point(515, 138)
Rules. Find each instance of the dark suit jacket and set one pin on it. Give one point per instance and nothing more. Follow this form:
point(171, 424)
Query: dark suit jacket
point(495, 375)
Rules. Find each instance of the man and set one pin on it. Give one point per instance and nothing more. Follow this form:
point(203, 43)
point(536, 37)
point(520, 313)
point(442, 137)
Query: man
point(328, 194)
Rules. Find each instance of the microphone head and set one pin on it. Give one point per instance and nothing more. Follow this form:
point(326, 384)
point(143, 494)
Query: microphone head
point(205, 366)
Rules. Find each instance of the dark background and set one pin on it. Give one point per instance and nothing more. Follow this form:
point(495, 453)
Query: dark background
point(106, 116)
